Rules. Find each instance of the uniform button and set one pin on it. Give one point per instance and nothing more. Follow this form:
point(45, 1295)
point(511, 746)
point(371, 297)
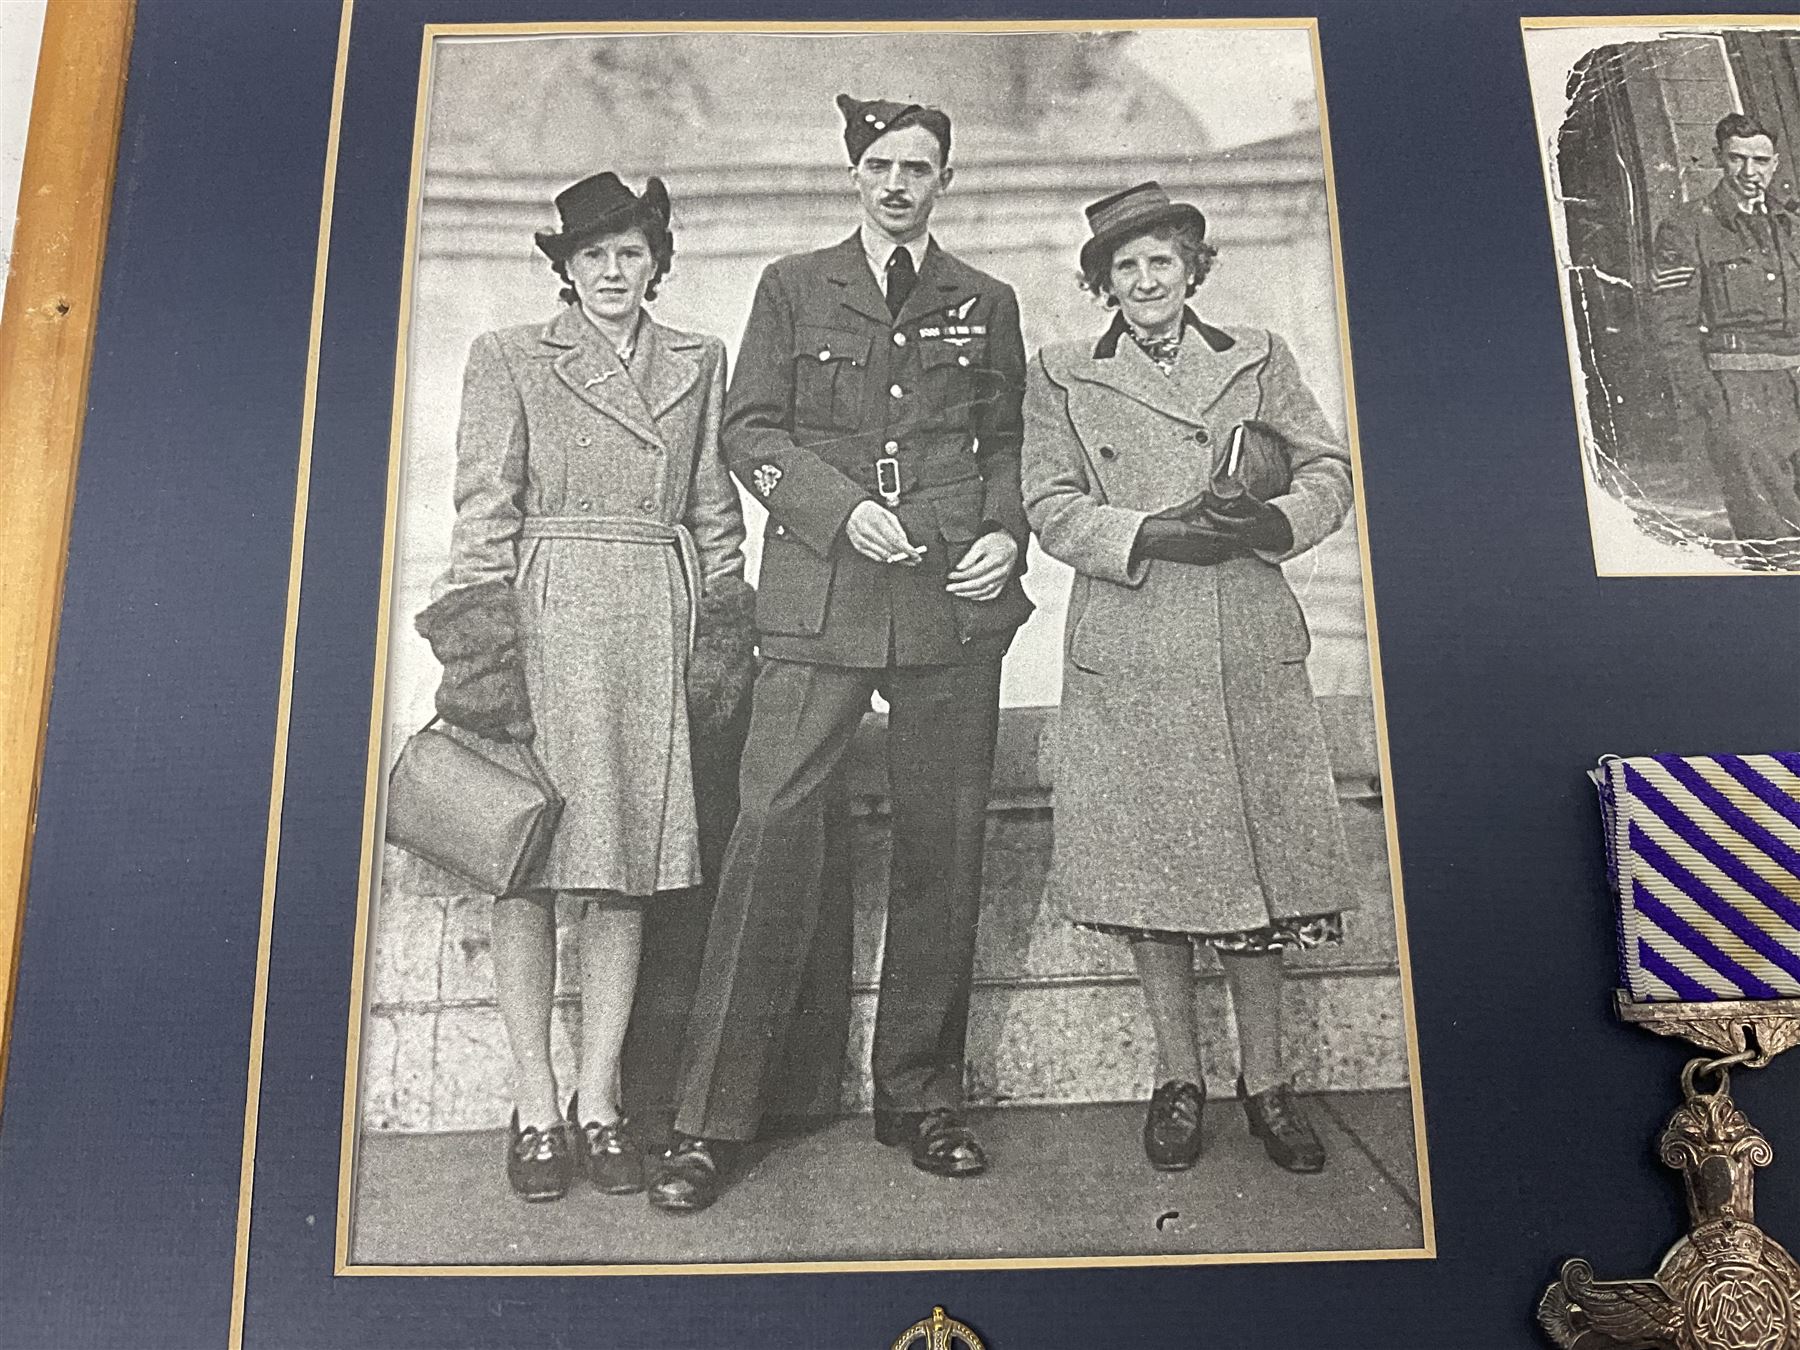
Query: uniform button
point(584, 441)
point(781, 531)
point(962, 360)
point(1771, 276)
point(1201, 435)
point(647, 503)
point(896, 390)
point(824, 353)
point(1107, 452)
point(584, 506)
point(899, 339)
point(892, 447)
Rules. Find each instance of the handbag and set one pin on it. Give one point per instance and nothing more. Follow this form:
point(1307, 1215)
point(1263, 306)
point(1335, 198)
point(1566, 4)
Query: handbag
point(469, 813)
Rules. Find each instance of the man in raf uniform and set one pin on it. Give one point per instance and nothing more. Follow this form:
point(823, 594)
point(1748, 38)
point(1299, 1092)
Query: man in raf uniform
point(1727, 285)
point(875, 411)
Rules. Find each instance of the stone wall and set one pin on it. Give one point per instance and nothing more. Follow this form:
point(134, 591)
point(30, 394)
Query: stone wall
point(1057, 1016)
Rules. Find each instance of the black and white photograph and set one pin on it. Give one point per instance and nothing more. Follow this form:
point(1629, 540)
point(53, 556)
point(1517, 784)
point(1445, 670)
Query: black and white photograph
point(879, 744)
point(1667, 156)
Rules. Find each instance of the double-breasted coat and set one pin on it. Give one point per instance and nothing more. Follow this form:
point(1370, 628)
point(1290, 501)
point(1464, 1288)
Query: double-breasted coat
point(599, 493)
point(1193, 789)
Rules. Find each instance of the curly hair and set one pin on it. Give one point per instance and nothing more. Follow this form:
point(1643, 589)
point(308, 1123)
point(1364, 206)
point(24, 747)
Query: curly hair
point(643, 217)
point(1189, 242)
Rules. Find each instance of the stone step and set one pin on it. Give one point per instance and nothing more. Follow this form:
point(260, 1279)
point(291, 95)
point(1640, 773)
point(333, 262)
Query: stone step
point(1056, 1015)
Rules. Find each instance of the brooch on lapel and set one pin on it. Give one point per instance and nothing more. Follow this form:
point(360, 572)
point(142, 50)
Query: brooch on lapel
point(765, 477)
point(601, 378)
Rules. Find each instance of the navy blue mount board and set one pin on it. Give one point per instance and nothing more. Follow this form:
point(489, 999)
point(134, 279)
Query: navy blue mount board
point(1509, 668)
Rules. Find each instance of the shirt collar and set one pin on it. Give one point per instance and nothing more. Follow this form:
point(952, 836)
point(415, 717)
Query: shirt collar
point(878, 248)
point(1726, 207)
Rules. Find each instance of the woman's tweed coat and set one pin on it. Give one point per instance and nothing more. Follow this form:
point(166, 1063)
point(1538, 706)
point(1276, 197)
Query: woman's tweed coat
point(1193, 791)
point(560, 451)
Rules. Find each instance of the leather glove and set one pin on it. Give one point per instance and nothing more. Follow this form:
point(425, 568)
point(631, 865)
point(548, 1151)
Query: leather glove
point(474, 633)
point(1253, 524)
point(1197, 542)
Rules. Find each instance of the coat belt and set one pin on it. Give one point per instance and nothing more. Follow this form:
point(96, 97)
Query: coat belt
point(628, 530)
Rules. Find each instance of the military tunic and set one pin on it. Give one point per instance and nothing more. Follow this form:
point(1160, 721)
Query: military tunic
point(828, 385)
point(835, 402)
point(1727, 288)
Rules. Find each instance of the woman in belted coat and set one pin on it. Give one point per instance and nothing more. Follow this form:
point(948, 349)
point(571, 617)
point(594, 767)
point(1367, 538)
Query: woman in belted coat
point(1174, 465)
point(595, 519)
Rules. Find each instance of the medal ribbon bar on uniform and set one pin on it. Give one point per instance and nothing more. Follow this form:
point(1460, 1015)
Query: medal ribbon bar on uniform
point(1703, 853)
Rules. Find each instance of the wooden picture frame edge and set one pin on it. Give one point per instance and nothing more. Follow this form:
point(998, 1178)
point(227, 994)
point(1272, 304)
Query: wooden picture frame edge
point(46, 347)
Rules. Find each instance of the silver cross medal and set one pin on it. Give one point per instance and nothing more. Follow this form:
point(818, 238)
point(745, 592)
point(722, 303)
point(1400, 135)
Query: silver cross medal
point(1706, 837)
point(1727, 1285)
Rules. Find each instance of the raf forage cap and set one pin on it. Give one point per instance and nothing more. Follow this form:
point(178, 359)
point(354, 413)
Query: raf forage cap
point(867, 122)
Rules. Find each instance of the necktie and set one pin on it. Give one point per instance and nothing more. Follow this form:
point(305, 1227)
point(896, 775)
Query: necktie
point(901, 275)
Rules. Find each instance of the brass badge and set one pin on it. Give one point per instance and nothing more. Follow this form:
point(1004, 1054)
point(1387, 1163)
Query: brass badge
point(940, 1331)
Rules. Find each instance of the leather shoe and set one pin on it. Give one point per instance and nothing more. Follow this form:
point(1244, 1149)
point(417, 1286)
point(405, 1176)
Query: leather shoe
point(1172, 1137)
point(687, 1177)
point(612, 1162)
point(940, 1141)
point(1276, 1119)
point(540, 1164)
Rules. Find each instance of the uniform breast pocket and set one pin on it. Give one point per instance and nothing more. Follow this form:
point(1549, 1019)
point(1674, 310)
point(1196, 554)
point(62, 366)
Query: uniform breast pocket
point(957, 375)
point(830, 367)
point(1743, 289)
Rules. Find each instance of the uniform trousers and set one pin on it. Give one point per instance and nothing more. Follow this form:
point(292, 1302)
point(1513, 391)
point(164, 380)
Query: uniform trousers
point(940, 741)
point(1755, 450)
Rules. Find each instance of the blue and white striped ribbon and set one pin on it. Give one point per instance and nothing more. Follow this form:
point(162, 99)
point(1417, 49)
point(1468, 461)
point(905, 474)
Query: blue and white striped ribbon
point(1704, 854)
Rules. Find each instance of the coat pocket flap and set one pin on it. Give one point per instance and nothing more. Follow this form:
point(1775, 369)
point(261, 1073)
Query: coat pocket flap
point(972, 355)
point(828, 345)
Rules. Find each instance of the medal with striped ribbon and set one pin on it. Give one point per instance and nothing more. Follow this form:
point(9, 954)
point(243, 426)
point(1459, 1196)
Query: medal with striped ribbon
point(1703, 855)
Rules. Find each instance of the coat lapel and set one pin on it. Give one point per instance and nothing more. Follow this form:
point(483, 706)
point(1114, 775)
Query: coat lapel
point(594, 374)
point(1201, 373)
point(848, 270)
point(664, 367)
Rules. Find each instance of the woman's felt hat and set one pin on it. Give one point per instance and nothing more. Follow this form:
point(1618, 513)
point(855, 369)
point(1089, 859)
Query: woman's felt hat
point(1125, 215)
point(599, 204)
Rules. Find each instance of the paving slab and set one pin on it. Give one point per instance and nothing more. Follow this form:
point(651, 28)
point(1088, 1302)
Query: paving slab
point(1066, 1182)
point(1382, 1123)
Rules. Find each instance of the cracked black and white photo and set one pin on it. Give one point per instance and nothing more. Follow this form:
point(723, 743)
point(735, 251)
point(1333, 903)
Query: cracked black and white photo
point(1669, 160)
